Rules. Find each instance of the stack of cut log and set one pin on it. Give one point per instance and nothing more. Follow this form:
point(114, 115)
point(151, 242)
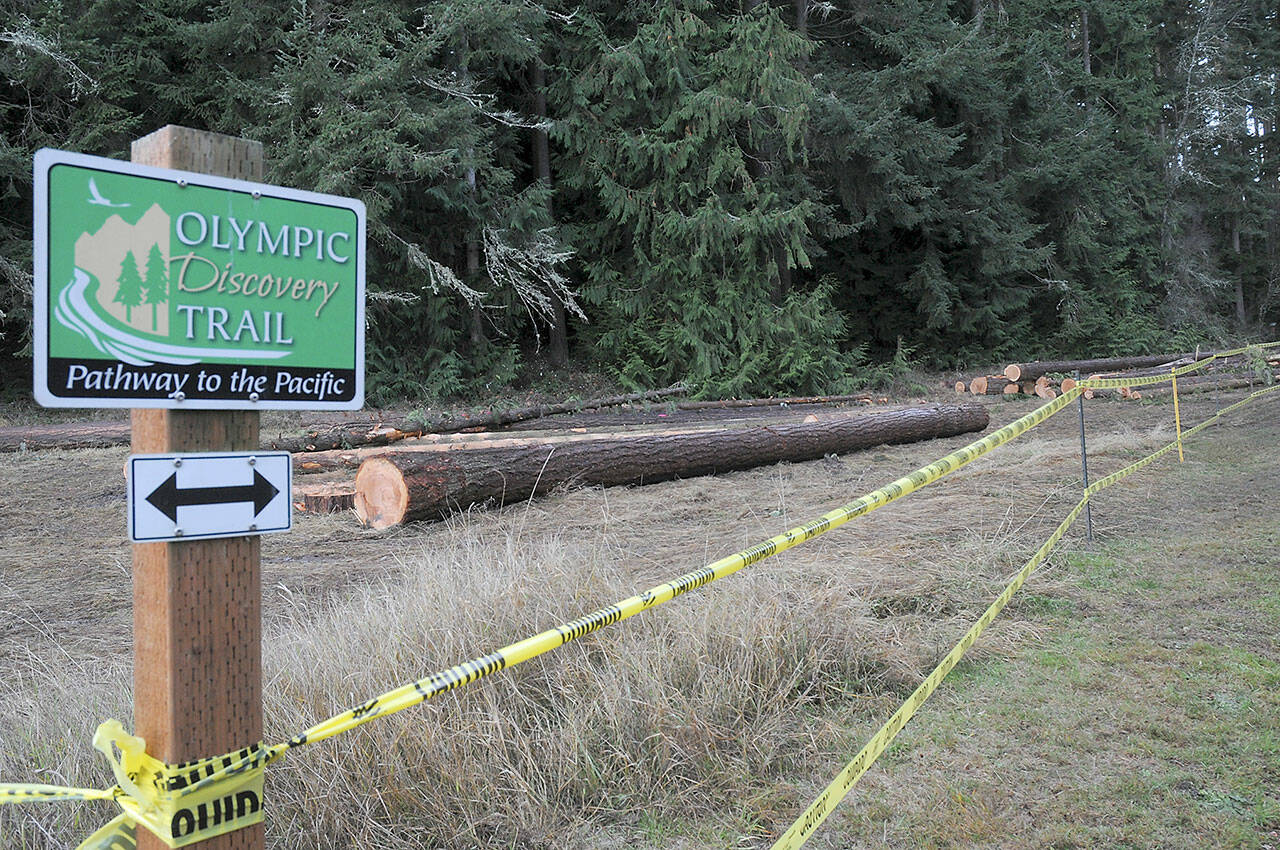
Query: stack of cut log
point(1037, 378)
point(1043, 386)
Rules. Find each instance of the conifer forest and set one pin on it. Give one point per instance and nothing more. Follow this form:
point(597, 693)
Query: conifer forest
point(752, 197)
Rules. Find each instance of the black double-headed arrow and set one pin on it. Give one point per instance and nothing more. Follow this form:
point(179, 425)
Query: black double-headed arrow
point(168, 498)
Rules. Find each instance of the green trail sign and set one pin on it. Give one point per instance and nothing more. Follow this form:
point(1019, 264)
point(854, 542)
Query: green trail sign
point(159, 288)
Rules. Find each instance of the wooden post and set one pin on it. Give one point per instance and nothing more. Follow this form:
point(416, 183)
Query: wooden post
point(197, 604)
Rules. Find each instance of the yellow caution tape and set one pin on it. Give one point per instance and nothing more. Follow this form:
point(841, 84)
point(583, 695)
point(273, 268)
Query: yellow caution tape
point(838, 789)
point(188, 802)
point(183, 804)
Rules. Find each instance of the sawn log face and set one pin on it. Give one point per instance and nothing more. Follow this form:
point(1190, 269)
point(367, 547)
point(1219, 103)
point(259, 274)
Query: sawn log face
point(394, 488)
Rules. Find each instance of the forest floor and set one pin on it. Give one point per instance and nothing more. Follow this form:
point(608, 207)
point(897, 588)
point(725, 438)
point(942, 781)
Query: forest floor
point(1128, 697)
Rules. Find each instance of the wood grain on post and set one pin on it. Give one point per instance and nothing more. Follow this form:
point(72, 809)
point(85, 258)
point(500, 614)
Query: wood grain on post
point(197, 604)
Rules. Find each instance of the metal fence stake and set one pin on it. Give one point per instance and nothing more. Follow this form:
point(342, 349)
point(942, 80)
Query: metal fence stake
point(1084, 469)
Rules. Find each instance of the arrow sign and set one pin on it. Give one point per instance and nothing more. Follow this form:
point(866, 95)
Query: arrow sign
point(168, 498)
point(213, 494)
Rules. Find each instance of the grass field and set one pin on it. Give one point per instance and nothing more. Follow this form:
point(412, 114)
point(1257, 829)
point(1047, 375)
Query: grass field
point(1128, 697)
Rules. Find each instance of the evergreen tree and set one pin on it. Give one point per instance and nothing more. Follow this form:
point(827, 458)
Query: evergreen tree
point(157, 282)
point(662, 112)
point(912, 134)
point(129, 287)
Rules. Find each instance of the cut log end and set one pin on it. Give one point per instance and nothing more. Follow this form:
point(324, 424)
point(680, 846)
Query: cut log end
point(978, 386)
point(382, 496)
point(961, 387)
point(1046, 392)
point(1011, 388)
point(1013, 371)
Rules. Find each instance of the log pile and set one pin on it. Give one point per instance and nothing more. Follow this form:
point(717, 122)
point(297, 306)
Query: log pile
point(397, 487)
point(1045, 378)
point(1043, 386)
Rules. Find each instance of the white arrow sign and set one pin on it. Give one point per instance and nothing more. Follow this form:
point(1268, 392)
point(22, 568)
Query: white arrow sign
point(211, 494)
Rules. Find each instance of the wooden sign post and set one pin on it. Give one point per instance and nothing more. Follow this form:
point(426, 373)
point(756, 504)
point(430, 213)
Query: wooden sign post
point(197, 604)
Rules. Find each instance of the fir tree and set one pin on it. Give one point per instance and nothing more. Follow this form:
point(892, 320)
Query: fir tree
point(129, 289)
point(157, 282)
point(663, 114)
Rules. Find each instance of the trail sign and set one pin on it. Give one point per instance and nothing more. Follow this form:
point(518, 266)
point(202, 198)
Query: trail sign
point(163, 288)
point(210, 494)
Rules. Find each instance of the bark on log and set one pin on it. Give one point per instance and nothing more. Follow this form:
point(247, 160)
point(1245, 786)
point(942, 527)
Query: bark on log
point(305, 463)
point(325, 498)
point(401, 486)
point(64, 435)
point(83, 435)
point(863, 398)
point(1031, 371)
point(381, 434)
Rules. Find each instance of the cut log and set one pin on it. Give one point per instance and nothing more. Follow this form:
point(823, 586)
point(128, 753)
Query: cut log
point(1068, 384)
point(305, 463)
point(402, 486)
point(325, 498)
point(961, 387)
point(1046, 392)
point(385, 433)
point(772, 402)
point(1012, 388)
point(988, 385)
point(80, 435)
point(1030, 371)
point(64, 435)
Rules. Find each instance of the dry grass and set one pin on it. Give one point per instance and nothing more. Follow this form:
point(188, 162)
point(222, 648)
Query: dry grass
point(709, 722)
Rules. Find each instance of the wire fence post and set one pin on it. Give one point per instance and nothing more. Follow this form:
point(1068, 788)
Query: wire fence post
point(1177, 416)
point(1084, 469)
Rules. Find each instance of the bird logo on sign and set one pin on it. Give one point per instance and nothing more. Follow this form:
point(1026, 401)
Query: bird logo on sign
point(95, 197)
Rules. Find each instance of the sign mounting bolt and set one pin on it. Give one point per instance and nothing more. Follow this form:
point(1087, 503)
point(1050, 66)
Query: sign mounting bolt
point(182, 184)
point(253, 396)
point(252, 460)
point(179, 396)
point(177, 532)
point(177, 461)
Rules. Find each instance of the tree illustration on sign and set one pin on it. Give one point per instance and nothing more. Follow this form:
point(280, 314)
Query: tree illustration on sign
point(157, 281)
point(129, 292)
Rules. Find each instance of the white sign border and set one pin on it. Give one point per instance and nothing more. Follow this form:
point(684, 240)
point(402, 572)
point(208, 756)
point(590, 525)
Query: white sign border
point(47, 158)
point(133, 497)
